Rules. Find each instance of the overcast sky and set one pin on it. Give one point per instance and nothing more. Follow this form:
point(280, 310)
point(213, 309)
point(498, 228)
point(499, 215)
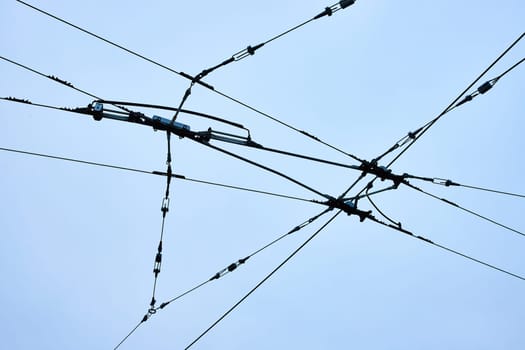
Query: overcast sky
point(79, 241)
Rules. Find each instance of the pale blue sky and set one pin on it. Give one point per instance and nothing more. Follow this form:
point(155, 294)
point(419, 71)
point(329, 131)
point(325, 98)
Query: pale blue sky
point(78, 242)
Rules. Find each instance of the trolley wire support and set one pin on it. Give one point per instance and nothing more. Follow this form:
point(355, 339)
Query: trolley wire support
point(221, 273)
point(250, 51)
point(341, 4)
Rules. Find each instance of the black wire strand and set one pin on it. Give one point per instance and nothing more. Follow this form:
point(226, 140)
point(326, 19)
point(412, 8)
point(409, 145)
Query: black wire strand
point(450, 183)
point(493, 191)
point(200, 82)
point(377, 208)
point(158, 173)
point(428, 241)
point(57, 80)
point(223, 272)
point(249, 143)
point(450, 106)
point(261, 166)
point(412, 137)
point(511, 68)
point(129, 334)
point(464, 209)
point(262, 281)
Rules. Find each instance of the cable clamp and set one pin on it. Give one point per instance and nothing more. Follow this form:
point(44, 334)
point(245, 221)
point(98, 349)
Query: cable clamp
point(328, 11)
point(165, 205)
point(444, 182)
point(349, 207)
point(249, 51)
point(382, 172)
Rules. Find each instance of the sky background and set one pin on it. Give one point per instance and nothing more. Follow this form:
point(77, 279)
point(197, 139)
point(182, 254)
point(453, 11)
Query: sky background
point(78, 242)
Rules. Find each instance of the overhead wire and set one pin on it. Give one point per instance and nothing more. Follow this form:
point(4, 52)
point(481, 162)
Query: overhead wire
point(450, 183)
point(230, 268)
point(422, 131)
point(346, 3)
point(159, 173)
point(250, 50)
point(57, 80)
point(451, 105)
point(224, 315)
point(276, 269)
point(412, 137)
point(196, 137)
point(428, 241)
point(444, 200)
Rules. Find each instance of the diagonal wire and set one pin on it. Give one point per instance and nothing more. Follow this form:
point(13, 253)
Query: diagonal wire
point(57, 80)
point(262, 281)
point(450, 183)
point(200, 82)
point(428, 241)
point(232, 267)
point(450, 106)
point(464, 209)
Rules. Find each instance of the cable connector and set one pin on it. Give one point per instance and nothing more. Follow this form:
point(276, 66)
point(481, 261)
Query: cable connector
point(232, 267)
point(381, 172)
point(349, 207)
point(444, 182)
point(328, 11)
point(249, 51)
point(482, 89)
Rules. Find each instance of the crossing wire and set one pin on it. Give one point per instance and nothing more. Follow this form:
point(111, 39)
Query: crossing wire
point(158, 173)
point(230, 268)
point(200, 82)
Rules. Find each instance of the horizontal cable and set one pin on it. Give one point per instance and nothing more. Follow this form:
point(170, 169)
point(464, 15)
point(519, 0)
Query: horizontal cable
point(158, 173)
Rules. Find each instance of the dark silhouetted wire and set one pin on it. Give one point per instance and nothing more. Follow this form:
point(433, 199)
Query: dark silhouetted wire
point(49, 77)
point(252, 145)
point(511, 68)
point(261, 166)
point(57, 80)
point(426, 240)
point(129, 334)
point(450, 106)
point(233, 267)
point(186, 76)
point(464, 209)
point(223, 272)
point(263, 280)
point(157, 173)
point(493, 191)
point(450, 183)
point(379, 210)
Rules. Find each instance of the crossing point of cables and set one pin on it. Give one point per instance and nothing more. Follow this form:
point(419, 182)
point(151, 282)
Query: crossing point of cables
point(342, 203)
